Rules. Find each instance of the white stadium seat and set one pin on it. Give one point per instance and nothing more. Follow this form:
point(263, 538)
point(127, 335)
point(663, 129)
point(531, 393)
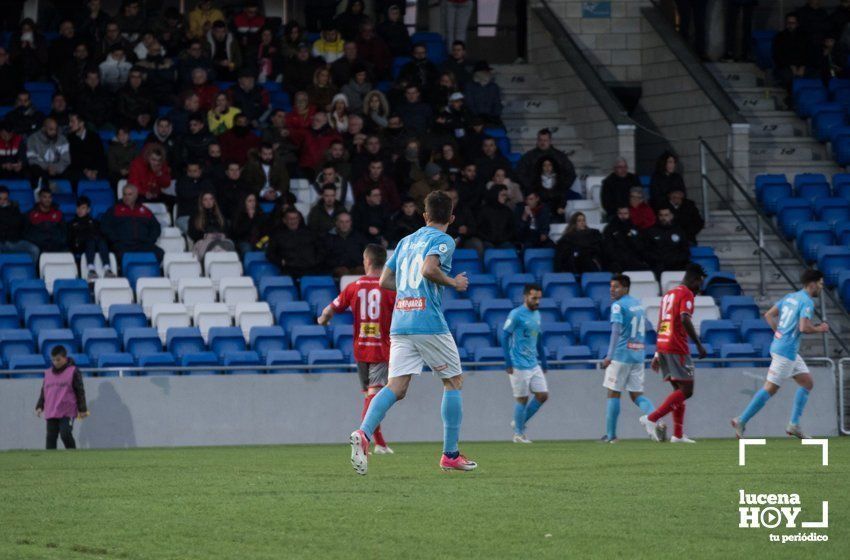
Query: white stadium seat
point(593, 216)
point(160, 212)
point(239, 289)
point(171, 240)
point(209, 315)
point(180, 265)
point(348, 279)
point(704, 310)
point(670, 279)
point(53, 266)
point(580, 205)
point(556, 231)
point(644, 284)
point(221, 264)
point(593, 188)
point(250, 315)
point(98, 264)
point(169, 315)
point(150, 291)
point(192, 291)
point(652, 306)
point(109, 291)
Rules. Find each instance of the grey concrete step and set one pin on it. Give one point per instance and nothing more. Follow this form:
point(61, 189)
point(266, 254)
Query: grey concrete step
point(539, 106)
point(521, 132)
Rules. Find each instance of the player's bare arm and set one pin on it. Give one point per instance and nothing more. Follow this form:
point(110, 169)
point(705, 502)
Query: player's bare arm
point(807, 327)
point(326, 316)
point(772, 317)
point(692, 332)
point(431, 271)
point(388, 279)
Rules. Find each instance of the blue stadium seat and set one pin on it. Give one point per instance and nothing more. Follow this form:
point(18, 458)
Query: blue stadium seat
point(740, 350)
point(768, 178)
point(184, 340)
point(40, 317)
point(96, 342)
point(825, 117)
point(33, 87)
point(114, 360)
point(550, 311)
point(758, 333)
point(705, 257)
point(555, 336)
point(284, 358)
point(139, 265)
point(719, 332)
point(832, 210)
point(142, 342)
point(842, 190)
point(719, 284)
point(840, 179)
point(579, 310)
point(457, 312)
point(277, 289)
point(494, 312)
point(344, 318)
point(513, 286)
point(126, 316)
point(811, 236)
point(343, 340)
point(831, 261)
point(24, 293)
point(596, 286)
point(801, 179)
point(292, 314)
point(771, 193)
point(489, 354)
point(710, 353)
point(500, 262)
point(575, 353)
point(50, 338)
point(280, 100)
point(538, 261)
point(790, 212)
point(15, 266)
point(27, 362)
point(318, 291)
point(85, 316)
point(9, 317)
point(814, 191)
point(257, 266)
point(25, 200)
point(70, 292)
point(466, 260)
point(309, 337)
point(738, 308)
point(560, 286)
point(839, 137)
point(15, 342)
point(267, 339)
point(650, 336)
point(482, 287)
point(398, 64)
point(842, 234)
point(199, 359)
point(844, 288)
point(223, 340)
point(595, 335)
point(242, 358)
point(329, 356)
point(762, 45)
point(87, 187)
point(156, 360)
point(474, 335)
point(80, 360)
point(807, 96)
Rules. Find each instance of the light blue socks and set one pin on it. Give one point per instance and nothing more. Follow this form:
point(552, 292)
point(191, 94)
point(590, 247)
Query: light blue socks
point(644, 404)
point(452, 412)
point(378, 408)
point(519, 418)
point(531, 409)
point(759, 400)
point(611, 416)
point(800, 400)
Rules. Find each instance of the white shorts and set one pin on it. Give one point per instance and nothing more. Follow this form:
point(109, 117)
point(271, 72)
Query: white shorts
point(620, 376)
point(783, 368)
point(527, 381)
point(410, 352)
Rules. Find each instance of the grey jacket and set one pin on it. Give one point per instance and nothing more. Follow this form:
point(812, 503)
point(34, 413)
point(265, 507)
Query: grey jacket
point(42, 151)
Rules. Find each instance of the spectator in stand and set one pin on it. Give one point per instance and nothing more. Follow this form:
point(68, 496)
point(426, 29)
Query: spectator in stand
point(265, 174)
point(455, 16)
point(268, 57)
point(293, 37)
point(12, 226)
point(394, 32)
point(150, 173)
point(120, 155)
point(130, 226)
point(85, 238)
point(248, 222)
point(24, 118)
point(345, 247)
point(397, 135)
point(483, 96)
point(455, 118)
point(497, 223)
point(533, 221)
point(355, 137)
point(62, 398)
point(328, 176)
point(370, 217)
point(625, 247)
point(70, 77)
point(432, 181)
point(372, 50)
point(93, 102)
point(88, 160)
point(194, 58)
point(342, 68)
point(552, 186)
point(230, 188)
point(470, 188)
point(131, 20)
point(208, 228)
point(12, 152)
point(350, 21)
point(831, 60)
point(616, 188)
point(338, 157)
point(248, 24)
point(322, 216)
point(300, 70)
point(580, 248)
point(300, 118)
point(160, 74)
point(329, 44)
point(667, 244)
point(376, 178)
point(205, 90)
point(28, 50)
point(463, 227)
point(46, 228)
point(61, 50)
point(357, 88)
point(448, 161)
point(194, 145)
point(491, 159)
point(163, 134)
point(134, 105)
point(735, 43)
point(664, 179)
point(686, 214)
point(220, 118)
point(815, 22)
point(201, 19)
point(841, 16)
point(48, 154)
point(145, 44)
point(190, 104)
point(294, 248)
point(406, 221)
point(338, 115)
point(237, 142)
point(458, 65)
point(251, 99)
point(363, 156)
point(278, 135)
point(322, 91)
point(791, 52)
point(111, 37)
point(11, 79)
point(60, 112)
point(189, 189)
point(93, 23)
point(527, 165)
point(500, 179)
point(693, 11)
point(115, 70)
point(316, 141)
point(420, 72)
point(641, 214)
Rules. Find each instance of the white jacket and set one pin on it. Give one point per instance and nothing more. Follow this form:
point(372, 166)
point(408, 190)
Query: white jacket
point(114, 73)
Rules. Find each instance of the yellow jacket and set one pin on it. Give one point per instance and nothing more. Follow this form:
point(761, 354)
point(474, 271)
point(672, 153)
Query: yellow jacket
point(220, 124)
point(198, 19)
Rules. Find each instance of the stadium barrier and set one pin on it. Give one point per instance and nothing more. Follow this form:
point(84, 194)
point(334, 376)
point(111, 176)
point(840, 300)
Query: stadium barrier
point(843, 387)
point(189, 410)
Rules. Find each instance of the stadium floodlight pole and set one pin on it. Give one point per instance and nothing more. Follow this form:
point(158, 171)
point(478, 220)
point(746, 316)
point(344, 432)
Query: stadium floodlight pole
point(760, 229)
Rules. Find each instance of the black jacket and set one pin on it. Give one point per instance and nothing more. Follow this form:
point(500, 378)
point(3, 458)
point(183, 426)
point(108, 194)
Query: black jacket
point(81, 230)
point(615, 192)
point(25, 120)
point(689, 219)
point(213, 225)
point(188, 190)
point(661, 184)
point(345, 251)
point(668, 247)
point(625, 247)
point(402, 225)
point(95, 105)
point(579, 251)
point(248, 230)
point(301, 252)
point(365, 216)
point(12, 222)
point(86, 153)
point(496, 223)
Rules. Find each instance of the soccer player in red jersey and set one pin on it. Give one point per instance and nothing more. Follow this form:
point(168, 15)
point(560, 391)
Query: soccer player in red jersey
point(673, 357)
point(373, 310)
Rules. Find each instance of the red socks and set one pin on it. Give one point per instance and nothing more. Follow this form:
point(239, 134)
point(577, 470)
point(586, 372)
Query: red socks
point(377, 436)
point(679, 420)
point(673, 401)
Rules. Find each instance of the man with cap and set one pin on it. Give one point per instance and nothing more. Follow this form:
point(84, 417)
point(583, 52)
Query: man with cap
point(483, 95)
point(455, 118)
point(433, 181)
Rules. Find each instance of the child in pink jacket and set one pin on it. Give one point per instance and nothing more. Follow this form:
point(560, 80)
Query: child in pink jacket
point(62, 399)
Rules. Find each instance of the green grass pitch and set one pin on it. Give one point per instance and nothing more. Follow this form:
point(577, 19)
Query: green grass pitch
point(635, 499)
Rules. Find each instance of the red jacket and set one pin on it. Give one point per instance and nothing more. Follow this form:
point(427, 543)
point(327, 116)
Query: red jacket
point(314, 146)
point(389, 192)
point(144, 178)
point(298, 124)
point(375, 52)
point(206, 95)
point(642, 216)
point(236, 148)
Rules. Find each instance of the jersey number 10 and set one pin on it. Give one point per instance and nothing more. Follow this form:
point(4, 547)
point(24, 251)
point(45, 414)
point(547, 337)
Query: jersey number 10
point(410, 272)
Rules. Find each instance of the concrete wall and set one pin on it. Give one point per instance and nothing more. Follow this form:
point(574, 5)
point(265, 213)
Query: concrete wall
point(325, 408)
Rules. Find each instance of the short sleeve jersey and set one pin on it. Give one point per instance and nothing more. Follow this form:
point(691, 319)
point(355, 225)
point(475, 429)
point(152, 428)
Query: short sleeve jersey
point(372, 307)
point(523, 325)
point(418, 305)
point(630, 315)
point(792, 308)
point(672, 338)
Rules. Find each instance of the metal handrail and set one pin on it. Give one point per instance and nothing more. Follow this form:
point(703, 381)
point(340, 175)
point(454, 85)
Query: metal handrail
point(758, 237)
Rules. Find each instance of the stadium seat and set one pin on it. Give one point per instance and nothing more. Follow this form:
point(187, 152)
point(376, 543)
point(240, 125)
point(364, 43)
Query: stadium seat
point(842, 189)
point(489, 354)
point(670, 279)
point(221, 264)
point(844, 288)
point(306, 338)
point(811, 236)
point(257, 266)
point(194, 291)
point(205, 316)
point(500, 262)
point(222, 340)
point(142, 342)
point(482, 287)
point(790, 212)
point(719, 332)
point(705, 309)
point(80, 360)
point(53, 266)
point(294, 313)
point(458, 312)
point(347, 279)
point(758, 333)
point(721, 284)
point(466, 260)
point(474, 335)
point(556, 335)
point(114, 360)
point(709, 262)
point(199, 360)
point(738, 308)
point(68, 293)
point(318, 291)
point(344, 318)
point(644, 284)
point(233, 290)
point(550, 310)
point(250, 315)
point(842, 234)
point(538, 261)
point(325, 356)
point(513, 286)
point(284, 358)
point(180, 265)
point(96, 342)
point(494, 312)
point(156, 360)
point(150, 291)
point(171, 240)
point(740, 350)
point(771, 193)
point(832, 260)
point(99, 264)
point(40, 317)
point(595, 335)
point(112, 291)
point(832, 210)
point(560, 286)
point(126, 316)
point(768, 178)
point(15, 342)
point(596, 286)
point(398, 64)
point(159, 211)
point(277, 289)
point(9, 317)
point(184, 340)
point(571, 353)
point(139, 265)
point(15, 266)
point(825, 117)
point(28, 292)
point(579, 310)
point(50, 338)
point(34, 362)
point(342, 337)
point(165, 316)
point(264, 340)
point(242, 359)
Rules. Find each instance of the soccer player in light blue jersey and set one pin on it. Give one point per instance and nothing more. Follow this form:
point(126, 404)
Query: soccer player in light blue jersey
point(790, 318)
point(525, 359)
point(418, 271)
point(624, 362)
